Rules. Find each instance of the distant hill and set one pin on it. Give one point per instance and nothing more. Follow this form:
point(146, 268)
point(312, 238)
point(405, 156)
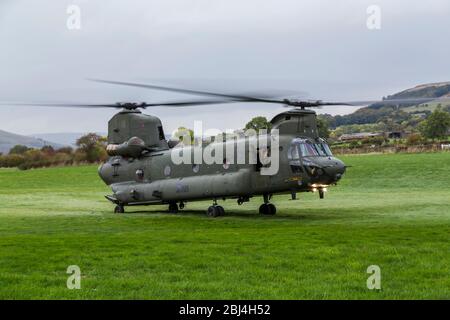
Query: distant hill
point(431, 90)
point(376, 112)
point(9, 140)
point(69, 138)
point(63, 138)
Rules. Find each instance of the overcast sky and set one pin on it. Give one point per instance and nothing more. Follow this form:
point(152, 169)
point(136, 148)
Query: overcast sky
point(320, 47)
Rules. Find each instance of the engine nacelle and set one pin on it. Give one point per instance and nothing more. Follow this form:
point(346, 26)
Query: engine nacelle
point(131, 148)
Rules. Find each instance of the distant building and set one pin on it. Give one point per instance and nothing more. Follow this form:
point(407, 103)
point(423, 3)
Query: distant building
point(360, 136)
point(369, 135)
point(395, 135)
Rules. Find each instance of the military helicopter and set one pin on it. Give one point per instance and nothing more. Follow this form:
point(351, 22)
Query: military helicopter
point(141, 170)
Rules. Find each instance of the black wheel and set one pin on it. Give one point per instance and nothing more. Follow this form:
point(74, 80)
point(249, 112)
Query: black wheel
point(263, 209)
point(173, 207)
point(271, 209)
point(221, 210)
point(267, 209)
point(119, 209)
point(213, 212)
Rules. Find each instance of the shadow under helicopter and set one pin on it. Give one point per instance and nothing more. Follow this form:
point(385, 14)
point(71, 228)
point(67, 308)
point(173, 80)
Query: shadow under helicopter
point(306, 215)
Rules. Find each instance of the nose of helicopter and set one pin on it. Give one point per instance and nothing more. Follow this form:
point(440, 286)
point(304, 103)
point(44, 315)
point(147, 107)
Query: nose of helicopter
point(335, 169)
point(330, 170)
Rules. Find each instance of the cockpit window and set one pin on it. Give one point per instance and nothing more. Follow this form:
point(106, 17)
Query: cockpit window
point(327, 149)
point(306, 148)
point(321, 149)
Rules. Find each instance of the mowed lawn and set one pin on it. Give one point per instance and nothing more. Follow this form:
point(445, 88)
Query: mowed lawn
point(389, 210)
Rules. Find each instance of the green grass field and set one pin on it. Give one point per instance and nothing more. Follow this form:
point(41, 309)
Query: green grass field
point(390, 210)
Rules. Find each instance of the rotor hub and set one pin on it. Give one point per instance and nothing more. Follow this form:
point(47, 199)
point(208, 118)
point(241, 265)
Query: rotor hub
point(131, 105)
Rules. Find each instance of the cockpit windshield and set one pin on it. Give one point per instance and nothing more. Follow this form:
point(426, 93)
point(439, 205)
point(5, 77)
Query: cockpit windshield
point(327, 149)
point(307, 148)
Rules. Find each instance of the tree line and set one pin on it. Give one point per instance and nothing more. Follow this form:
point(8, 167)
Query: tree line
point(434, 126)
point(392, 118)
point(90, 148)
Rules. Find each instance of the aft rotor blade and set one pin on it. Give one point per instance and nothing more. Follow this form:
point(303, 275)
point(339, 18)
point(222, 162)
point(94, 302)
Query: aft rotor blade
point(185, 103)
point(62, 105)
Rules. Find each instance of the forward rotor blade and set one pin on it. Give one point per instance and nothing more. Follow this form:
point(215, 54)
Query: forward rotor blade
point(320, 103)
point(412, 101)
point(188, 103)
point(236, 97)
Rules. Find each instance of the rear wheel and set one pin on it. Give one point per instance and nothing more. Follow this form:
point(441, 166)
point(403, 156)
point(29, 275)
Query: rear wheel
point(173, 207)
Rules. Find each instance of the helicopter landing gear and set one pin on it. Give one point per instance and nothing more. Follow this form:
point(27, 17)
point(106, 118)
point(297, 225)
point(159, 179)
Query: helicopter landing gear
point(293, 195)
point(119, 209)
point(241, 200)
point(173, 207)
point(182, 205)
point(267, 208)
point(215, 210)
point(321, 194)
point(221, 210)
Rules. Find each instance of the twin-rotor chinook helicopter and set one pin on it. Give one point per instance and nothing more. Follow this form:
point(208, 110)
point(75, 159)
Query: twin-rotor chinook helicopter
point(141, 171)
